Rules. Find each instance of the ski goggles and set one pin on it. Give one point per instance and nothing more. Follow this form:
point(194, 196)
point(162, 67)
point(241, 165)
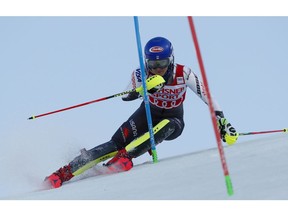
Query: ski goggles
point(153, 64)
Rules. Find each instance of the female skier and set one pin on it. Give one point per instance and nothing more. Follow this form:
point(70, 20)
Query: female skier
point(166, 103)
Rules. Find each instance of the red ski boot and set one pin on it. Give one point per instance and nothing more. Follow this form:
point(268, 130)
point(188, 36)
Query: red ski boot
point(121, 162)
point(57, 178)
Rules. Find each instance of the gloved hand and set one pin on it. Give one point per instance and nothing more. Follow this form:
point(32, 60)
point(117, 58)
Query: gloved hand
point(227, 131)
point(131, 96)
point(153, 84)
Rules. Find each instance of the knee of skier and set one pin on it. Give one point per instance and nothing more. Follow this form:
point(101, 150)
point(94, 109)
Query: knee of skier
point(178, 125)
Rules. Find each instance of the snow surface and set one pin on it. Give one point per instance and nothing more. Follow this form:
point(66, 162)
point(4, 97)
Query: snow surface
point(191, 184)
point(258, 170)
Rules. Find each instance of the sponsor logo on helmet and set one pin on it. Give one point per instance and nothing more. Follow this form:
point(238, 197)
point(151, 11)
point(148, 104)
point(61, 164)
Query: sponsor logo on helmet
point(156, 49)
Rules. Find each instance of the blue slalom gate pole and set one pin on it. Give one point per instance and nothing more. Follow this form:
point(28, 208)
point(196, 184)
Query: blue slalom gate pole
point(146, 100)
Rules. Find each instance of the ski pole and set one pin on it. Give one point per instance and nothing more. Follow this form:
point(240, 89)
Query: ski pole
point(82, 104)
point(285, 130)
point(152, 81)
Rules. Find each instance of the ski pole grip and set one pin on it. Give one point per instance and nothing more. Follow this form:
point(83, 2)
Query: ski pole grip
point(285, 130)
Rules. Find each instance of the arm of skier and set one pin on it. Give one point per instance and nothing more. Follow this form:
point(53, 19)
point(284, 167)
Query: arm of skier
point(227, 131)
point(135, 82)
point(153, 84)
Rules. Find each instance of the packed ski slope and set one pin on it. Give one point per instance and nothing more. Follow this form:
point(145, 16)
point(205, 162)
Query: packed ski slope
point(258, 170)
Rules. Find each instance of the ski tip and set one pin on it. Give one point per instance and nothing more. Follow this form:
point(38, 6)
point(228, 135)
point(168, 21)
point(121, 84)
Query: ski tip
point(53, 181)
point(32, 117)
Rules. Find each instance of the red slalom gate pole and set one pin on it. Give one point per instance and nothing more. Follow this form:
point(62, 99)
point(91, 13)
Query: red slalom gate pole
point(211, 108)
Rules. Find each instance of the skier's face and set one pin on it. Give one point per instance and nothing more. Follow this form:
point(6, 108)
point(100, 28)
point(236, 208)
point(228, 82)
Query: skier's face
point(159, 71)
point(158, 67)
point(159, 63)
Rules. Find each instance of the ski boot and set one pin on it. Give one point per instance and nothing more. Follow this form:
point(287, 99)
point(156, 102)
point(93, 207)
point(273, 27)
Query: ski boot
point(122, 161)
point(57, 178)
